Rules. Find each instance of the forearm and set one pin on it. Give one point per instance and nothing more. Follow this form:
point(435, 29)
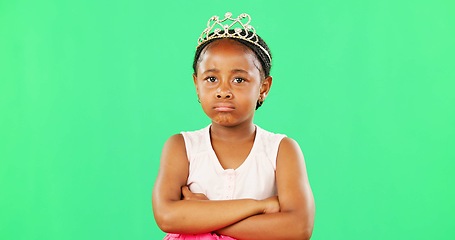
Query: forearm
point(275, 226)
point(196, 216)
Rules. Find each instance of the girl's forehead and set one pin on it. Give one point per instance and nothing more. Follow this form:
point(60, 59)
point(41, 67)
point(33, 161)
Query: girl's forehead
point(228, 52)
point(228, 44)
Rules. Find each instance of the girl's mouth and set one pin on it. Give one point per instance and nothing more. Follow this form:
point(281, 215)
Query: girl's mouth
point(224, 108)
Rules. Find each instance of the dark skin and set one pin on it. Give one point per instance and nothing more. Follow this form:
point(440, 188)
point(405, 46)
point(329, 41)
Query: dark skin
point(229, 82)
point(235, 89)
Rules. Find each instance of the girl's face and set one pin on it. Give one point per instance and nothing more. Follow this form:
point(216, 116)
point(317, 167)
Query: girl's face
point(229, 82)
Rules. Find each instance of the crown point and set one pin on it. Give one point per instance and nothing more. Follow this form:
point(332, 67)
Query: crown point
point(216, 25)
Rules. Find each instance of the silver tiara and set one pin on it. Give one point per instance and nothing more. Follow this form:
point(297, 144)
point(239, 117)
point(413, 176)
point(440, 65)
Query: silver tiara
point(216, 28)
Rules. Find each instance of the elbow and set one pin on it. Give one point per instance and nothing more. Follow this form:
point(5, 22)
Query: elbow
point(304, 230)
point(164, 217)
point(306, 224)
point(165, 222)
point(302, 233)
point(306, 233)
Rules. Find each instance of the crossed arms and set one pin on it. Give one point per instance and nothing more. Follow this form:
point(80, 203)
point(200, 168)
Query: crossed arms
point(290, 215)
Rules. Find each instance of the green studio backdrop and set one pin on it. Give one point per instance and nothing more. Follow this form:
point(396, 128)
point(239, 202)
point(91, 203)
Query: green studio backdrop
point(90, 90)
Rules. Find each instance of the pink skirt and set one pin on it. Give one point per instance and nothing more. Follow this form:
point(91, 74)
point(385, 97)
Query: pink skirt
point(203, 236)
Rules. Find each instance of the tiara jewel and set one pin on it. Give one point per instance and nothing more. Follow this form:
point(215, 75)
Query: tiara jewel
point(217, 28)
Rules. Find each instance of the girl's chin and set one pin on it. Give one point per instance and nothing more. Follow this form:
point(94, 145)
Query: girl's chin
point(228, 120)
point(224, 120)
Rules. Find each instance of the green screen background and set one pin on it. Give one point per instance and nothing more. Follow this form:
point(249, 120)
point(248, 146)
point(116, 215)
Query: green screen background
point(90, 90)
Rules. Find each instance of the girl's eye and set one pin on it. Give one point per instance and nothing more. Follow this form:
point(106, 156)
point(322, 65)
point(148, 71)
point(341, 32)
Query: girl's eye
point(239, 80)
point(210, 79)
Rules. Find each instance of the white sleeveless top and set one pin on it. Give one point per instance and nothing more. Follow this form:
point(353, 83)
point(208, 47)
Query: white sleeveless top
point(254, 179)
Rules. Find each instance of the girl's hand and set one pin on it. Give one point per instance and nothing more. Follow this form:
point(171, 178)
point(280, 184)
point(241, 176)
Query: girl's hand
point(188, 195)
point(271, 205)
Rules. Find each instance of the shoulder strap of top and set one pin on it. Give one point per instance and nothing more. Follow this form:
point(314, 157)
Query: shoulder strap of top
point(271, 143)
point(194, 140)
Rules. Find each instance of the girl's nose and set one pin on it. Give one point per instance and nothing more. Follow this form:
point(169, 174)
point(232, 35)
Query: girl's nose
point(223, 94)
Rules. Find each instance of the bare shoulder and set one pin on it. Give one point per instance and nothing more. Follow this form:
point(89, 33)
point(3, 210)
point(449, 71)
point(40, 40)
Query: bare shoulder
point(290, 161)
point(175, 141)
point(289, 150)
point(174, 147)
point(174, 153)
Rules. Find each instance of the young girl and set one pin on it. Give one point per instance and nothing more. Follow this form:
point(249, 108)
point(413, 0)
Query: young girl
point(232, 179)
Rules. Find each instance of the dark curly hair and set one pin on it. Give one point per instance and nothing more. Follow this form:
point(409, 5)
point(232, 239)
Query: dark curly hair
point(260, 54)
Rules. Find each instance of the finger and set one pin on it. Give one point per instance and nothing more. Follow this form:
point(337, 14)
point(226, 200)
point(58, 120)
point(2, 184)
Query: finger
point(186, 192)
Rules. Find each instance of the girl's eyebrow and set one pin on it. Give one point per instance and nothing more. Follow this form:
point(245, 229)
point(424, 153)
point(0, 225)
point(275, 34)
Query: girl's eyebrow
point(215, 70)
point(239, 70)
point(211, 70)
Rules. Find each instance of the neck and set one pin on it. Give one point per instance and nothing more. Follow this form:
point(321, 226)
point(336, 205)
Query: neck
point(234, 133)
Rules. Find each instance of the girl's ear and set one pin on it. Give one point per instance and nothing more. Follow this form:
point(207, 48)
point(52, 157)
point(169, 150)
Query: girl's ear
point(195, 80)
point(265, 87)
point(195, 85)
